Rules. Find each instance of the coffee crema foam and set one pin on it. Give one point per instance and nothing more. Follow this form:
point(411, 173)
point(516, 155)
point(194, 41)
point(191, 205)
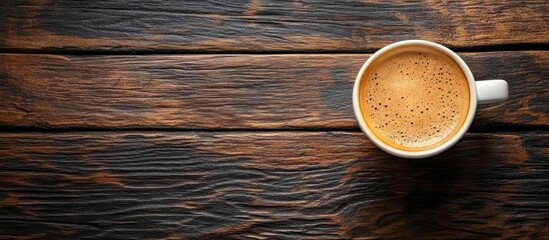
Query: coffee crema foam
point(414, 98)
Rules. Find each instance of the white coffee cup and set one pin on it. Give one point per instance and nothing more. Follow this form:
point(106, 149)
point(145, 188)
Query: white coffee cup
point(481, 92)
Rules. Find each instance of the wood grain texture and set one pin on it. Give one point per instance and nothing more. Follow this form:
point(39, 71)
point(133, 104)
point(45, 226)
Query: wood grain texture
point(280, 185)
point(230, 91)
point(259, 25)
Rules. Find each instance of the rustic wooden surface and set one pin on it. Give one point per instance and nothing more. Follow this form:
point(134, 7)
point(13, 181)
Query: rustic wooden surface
point(284, 185)
point(230, 91)
point(259, 25)
point(233, 120)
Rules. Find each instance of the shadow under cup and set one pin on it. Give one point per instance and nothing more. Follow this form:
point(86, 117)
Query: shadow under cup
point(414, 99)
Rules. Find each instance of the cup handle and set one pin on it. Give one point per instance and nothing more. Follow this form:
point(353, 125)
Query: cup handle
point(489, 91)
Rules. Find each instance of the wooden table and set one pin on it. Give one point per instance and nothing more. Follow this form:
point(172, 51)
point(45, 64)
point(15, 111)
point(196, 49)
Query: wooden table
point(233, 119)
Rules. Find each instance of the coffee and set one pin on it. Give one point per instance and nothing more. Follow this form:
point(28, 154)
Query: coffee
point(414, 98)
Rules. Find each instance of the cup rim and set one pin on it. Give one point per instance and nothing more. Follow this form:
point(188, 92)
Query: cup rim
point(429, 152)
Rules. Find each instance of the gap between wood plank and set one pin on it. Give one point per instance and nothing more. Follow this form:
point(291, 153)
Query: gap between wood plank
point(127, 51)
point(490, 129)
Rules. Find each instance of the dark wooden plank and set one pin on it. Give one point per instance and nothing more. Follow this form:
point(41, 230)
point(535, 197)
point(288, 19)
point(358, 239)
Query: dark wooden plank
point(282, 185)
point(256, 25)
point(229, 91)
